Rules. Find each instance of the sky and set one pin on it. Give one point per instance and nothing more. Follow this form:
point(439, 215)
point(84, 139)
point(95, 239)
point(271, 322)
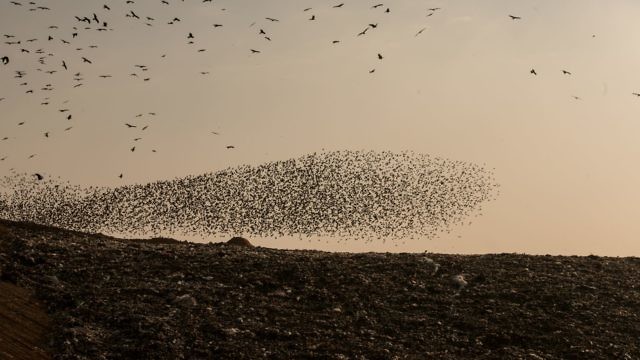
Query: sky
point(462, 89)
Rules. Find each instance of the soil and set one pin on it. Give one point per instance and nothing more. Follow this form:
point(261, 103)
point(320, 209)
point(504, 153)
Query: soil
point(108, 298)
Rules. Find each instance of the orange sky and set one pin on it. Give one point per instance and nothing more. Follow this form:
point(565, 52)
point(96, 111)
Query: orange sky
point(460, 90)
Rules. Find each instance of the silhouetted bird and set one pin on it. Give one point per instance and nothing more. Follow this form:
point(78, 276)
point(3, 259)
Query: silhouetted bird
point(5, 60)
point(38, 176)
point(515, 17)
point(566, 72)
point(129, 125)
point(533, 71)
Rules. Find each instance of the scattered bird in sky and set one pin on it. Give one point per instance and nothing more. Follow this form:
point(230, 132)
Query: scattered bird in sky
point(420, 31)
point(129, 125)
point(566, 72)
point(515, 17)
point(230, 147)
point(5, 60)
point(380, 56)
point(38, 176)
point(636, 94)
point(533, 71)
point(255, 51)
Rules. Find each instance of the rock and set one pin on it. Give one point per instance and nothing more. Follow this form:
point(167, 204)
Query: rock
point(240, 241)
point(185, 300)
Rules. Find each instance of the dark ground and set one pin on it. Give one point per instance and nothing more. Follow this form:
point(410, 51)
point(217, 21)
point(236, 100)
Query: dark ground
point(112, 299)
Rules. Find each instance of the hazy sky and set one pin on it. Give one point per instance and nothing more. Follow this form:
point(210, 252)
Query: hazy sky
point(462, 89)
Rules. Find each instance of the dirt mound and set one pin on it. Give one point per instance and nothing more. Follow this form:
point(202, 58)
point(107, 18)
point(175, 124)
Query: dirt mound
point(113, 298)
point(240, 241)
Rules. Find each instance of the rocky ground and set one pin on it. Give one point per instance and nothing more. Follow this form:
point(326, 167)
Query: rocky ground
point(111, 299)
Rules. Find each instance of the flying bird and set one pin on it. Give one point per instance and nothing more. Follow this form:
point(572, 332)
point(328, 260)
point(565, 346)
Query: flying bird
point(533, 71)
point(515, 17)
point(5, 60)
point(566, 72)
point(38, 176)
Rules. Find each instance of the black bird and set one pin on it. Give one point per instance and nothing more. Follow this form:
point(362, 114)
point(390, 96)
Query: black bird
point(566, 72)
point(313, 17)
point(380, 57)
point(84, 59)
point(64, 65)
point(129, 125)
point(255, 51)
point(38, 176)
point(272, 19)
point(106, 7)
point(515, 17)
point(533, 71)
point(230, 147)
point(133, 149)
point(363, 31)
point(190, 36)
point(420, 31)
point(339, 5)
point(636, 94)
point(5, 60)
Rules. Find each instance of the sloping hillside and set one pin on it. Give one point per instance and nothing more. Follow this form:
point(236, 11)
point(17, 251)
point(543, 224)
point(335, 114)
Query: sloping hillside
point(111, 298)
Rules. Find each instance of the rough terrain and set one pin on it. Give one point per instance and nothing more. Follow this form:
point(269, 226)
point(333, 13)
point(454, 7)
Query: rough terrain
point(109, 298)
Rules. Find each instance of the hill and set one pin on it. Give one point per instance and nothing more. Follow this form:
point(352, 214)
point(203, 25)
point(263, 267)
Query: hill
point(113, 298)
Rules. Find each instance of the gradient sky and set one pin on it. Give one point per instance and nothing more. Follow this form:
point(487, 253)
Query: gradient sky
point(462, 90)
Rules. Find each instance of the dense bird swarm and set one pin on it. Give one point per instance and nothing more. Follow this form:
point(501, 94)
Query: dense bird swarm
point(115, 299)
point(344, 193)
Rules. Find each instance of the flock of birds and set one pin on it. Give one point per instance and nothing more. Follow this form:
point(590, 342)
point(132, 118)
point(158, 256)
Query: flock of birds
point(64, 50)
point(347, 194)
